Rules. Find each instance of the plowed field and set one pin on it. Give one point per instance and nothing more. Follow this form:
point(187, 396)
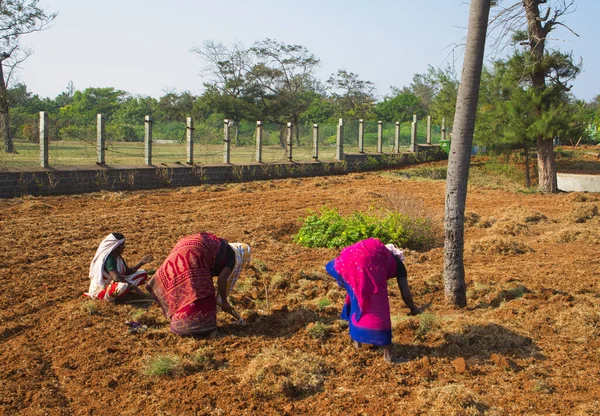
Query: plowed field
point(528, 342)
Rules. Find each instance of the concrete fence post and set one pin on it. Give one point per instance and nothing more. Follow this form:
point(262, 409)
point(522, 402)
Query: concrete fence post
point(289, 141)
point(444, 128)
point(148, 140)
point(428, 129)
point(339, 149)
point(316, 141)
point(226, 141)
point(189, 133)
point(413, 137)
point(44, 139)
point(397, 138)
point(361, 136)
point(100, 139)
point(259, 140)
point(380, 136)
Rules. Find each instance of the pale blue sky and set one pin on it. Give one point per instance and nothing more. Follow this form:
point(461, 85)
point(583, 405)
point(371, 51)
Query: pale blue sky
point(143, 47)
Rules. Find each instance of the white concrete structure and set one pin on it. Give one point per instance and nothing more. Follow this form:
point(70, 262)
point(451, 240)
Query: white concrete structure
point(571, 182)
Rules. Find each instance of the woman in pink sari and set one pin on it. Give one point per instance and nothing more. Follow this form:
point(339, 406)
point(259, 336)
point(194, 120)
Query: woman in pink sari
point(183, 285)
point(363, 269)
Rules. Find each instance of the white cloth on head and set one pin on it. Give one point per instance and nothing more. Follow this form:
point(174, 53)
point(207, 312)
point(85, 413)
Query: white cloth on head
point(99, 278)
point(395, 251)
point(242, 256)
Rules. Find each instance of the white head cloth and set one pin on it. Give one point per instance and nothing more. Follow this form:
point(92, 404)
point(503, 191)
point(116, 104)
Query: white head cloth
point(395, 251)
point(106, 247)
point(242, 256)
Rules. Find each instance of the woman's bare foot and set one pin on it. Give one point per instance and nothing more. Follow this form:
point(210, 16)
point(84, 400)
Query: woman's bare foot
point(387, 353)
point(357, 345)
point(213, 334)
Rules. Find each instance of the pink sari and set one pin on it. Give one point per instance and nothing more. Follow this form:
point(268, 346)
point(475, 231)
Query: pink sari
point(183, 285)
point(363, 270)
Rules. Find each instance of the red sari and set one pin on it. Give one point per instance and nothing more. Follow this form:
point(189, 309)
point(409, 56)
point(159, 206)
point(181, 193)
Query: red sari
point(183, 285)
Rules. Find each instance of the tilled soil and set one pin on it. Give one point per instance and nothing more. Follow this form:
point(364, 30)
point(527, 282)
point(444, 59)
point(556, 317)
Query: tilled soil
point(528, 342)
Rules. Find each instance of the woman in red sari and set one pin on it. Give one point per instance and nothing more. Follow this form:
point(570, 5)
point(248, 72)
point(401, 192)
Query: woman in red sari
point(183, 285)
point(363, 269)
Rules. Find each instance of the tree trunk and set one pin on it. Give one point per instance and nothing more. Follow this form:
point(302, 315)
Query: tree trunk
point(538, 33)
point(296, 119)
point(527, 175)
point(546, 166)
point(9, 146)
point(460, 153)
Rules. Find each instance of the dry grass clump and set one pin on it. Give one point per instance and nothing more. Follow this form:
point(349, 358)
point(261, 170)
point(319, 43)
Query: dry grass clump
point(581, 322)
point(90, 307)
point(521, 214)
point(582, 213)
point(485, 339)
point(580, 197)
point(278, 371)
point(500, 245)
point(450, 400)
point(515, 220)
point(589, 408)
point(300, 318)
point(570, 235)
point(509, 227)
point(279, 281)
point(472, 219)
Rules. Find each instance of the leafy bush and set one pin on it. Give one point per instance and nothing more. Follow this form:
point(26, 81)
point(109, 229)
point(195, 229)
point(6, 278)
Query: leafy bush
point(329, 229)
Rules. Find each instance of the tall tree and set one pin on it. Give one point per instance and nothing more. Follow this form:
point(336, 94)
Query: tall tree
point(354, 96)
point(17, 18)
point(228, 87)
point(283, 77)
point(460, 153)
point(530, 22)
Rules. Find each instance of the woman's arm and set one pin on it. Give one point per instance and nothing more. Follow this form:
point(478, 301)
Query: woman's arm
point(222, 288)
point(146, 259)
point(402, 279)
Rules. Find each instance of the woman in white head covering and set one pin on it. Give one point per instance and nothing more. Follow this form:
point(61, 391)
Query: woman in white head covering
point(110, 277)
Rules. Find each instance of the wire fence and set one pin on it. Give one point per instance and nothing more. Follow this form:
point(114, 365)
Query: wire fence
point(73, 141)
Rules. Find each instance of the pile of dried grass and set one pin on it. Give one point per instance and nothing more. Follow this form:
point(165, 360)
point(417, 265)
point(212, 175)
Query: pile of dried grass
point(582, 213)
point(521, 214)
point(485, 339)
point(581, 322)
point(500, 245)
point(571, 234)
point(277, 371)
point(452, 399)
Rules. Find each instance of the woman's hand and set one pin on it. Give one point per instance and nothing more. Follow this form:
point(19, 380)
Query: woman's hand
point(226, 307)
point(147, 258)
point(414, 311)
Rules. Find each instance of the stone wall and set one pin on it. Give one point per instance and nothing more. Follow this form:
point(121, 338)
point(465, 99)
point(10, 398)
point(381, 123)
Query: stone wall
point(65, 180)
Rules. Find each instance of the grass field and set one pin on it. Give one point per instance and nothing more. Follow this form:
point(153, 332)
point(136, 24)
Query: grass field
point(123, 153)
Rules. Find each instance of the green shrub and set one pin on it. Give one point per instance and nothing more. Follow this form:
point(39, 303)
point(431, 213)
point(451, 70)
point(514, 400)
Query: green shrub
point(329, 229)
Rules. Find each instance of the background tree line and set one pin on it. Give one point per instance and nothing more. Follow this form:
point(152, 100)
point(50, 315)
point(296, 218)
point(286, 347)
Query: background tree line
point(276, 83)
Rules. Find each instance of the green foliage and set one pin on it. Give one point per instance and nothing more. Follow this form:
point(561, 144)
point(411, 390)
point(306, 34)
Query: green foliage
point(323, 303)
point(425, 172)
point(329, 229)
point(427, 323)
point(90, 307)
point(163, 365)
point(317, 330)
point(400, 108)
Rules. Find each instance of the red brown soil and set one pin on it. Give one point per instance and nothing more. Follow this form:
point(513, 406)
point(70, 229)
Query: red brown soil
point(529, 338)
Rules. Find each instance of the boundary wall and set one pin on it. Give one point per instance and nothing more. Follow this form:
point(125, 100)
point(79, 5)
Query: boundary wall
point(68, 180)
